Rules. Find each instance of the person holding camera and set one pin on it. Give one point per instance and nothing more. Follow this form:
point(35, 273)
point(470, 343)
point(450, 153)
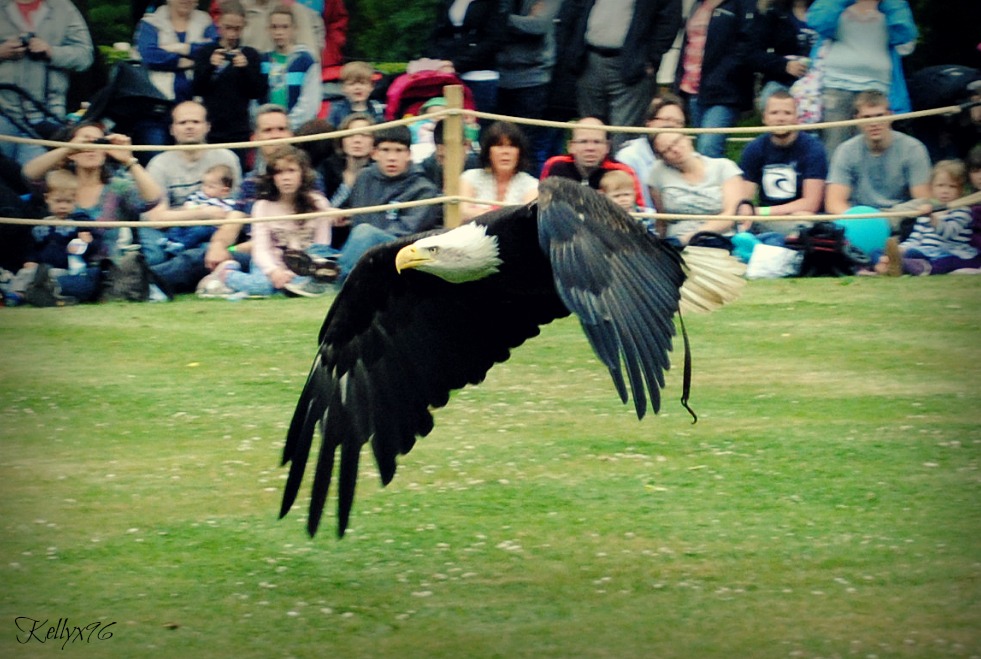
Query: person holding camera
point(228, 77)
point(41, 43)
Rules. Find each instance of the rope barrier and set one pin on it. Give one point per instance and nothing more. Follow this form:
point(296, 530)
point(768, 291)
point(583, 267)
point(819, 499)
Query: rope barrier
point(456, 199)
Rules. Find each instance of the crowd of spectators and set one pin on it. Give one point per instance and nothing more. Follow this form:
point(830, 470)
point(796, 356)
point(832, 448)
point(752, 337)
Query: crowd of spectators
point(253, 70)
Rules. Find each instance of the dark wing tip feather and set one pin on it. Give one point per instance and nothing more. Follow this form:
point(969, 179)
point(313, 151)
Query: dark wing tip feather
point(622, 283)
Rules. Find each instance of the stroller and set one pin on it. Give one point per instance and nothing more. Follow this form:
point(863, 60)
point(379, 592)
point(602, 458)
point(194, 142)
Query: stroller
point(46, 128)
point(408, 92)
point(129, 100)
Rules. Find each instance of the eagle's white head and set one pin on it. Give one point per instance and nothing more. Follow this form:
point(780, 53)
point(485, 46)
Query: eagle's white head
point(464, 254)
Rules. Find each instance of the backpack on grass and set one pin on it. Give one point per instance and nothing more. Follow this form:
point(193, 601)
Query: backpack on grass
point(827, 252)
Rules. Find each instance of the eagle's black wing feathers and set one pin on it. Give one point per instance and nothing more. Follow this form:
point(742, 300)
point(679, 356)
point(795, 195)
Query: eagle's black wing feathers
point(394, 346)
point(623, 283)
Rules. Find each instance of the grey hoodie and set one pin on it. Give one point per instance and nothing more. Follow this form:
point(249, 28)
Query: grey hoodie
point(373, 188)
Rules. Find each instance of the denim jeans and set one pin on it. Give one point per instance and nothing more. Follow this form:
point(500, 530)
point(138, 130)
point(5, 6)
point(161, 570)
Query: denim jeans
point(712, 145)
point(363, 237)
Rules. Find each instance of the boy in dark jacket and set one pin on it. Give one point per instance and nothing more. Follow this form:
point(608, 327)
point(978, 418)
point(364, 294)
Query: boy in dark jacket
point(390, 180)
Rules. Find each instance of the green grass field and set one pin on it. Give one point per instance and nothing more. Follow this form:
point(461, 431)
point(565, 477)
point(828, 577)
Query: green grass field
point(826, 504)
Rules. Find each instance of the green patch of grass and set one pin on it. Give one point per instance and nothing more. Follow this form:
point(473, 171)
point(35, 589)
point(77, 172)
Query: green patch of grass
point(825, 504)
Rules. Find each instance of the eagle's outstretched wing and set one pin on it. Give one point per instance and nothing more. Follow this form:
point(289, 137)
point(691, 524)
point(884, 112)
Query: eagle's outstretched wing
point(393, 346)
point(623, 284)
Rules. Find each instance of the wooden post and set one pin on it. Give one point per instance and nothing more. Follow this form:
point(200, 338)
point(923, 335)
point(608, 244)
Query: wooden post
point(453, 162)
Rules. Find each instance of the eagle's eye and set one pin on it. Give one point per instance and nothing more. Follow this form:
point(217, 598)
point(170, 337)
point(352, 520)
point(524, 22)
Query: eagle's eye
point(434, 250)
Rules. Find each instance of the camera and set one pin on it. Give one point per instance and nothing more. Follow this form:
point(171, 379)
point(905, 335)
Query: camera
point(230, 55)
point(25, 41)
point(101, 140)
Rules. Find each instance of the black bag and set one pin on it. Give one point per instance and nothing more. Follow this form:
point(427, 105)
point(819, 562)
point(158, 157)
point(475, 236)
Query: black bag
point(711, 239)
point(827, 252)
point(127, 279)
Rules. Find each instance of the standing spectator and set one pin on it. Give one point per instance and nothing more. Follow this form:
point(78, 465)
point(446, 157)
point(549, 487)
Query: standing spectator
point(39, 65)
point(467, 37)
point(525, 64)
point(291, 70)
point(104, 192)
point(685, 181)
point(309, 24)
point(715, 69)
point(588, 157)
point(335, 17)
point(168, 39)
point(665, 111)
point(501, 177)
point(783, 41)
point(878, 169)
point(357, 83)
point(614, 50)
point(866, 40)
point(788, 168)
point(391, 179)
point(228, 77)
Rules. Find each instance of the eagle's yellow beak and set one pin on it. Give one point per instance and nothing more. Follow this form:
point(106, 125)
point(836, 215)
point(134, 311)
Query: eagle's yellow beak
point(410, 257)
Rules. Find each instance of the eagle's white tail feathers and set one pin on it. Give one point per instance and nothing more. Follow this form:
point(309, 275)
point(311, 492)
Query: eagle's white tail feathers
point(714, 278)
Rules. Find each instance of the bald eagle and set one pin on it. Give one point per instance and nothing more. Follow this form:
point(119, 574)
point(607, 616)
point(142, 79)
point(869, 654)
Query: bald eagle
point(427, 314)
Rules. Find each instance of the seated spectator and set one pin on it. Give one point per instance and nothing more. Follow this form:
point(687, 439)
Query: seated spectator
point(357, 83)
point(940, 242)
point(291, 71)
point(664, 111)
point(432, 165)
point(182, 273)
point(310, 29)
point(588, 157)
point(504, 156)
point(181, 172)
point(228, 78)
point(974, 176)
point(784, 43)
point(351, 155)
point(391, 179)
point(619, 187)
point(105, 192)
point(60, 45)
point(878, 169)
point(216, 189)
point(866, 40)
point(786, 167)
point(57, 270)
point(286, 188)
point(685, 181)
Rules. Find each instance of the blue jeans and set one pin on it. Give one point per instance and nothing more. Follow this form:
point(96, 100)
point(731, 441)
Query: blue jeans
point(363, 237)
point(712, 145)
point(22, 153)
point(182, 273)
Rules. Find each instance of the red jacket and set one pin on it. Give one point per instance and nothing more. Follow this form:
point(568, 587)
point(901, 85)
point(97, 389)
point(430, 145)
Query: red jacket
point(565, 166)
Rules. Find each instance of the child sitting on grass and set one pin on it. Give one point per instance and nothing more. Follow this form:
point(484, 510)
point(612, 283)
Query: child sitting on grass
point(287, 188)
point(940, 242)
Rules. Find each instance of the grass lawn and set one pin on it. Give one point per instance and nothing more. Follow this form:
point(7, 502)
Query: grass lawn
point(826, 504)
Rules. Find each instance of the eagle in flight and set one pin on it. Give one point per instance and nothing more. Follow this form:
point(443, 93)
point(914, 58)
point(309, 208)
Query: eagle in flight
point(430, 313)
